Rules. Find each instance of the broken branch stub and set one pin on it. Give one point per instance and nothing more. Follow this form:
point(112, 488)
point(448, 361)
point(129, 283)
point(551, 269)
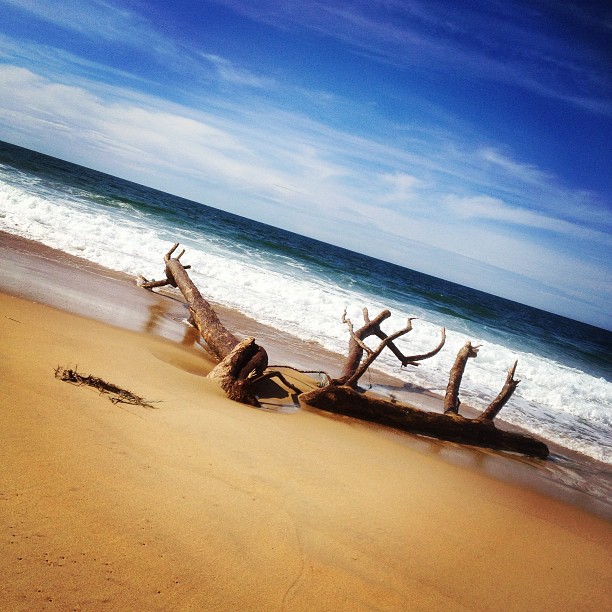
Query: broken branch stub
point(451, 399)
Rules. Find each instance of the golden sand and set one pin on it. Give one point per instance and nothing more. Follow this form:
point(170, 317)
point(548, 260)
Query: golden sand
point(205, 504)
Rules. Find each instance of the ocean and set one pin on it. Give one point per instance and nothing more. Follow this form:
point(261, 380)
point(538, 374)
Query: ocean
point(302, 286)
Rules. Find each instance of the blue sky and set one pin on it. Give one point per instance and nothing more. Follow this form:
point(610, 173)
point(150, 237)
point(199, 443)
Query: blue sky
point(471, 140)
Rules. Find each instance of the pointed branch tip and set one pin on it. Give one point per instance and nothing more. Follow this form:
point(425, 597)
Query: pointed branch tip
point(168, 255)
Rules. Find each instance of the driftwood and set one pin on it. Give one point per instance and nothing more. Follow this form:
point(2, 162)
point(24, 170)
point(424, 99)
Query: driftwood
point(230, 374)
point(242, 365)
point(219, 340)
point(454, 427)
point(341, 397)
point(116, 394)
point(355, 365)
point(451, 399)
point(504, 395)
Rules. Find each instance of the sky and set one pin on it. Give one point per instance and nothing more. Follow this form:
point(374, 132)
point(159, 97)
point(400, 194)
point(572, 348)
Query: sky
point(468, 140)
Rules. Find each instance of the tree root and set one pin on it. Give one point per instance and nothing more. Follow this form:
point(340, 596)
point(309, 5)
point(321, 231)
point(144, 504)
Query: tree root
point(117, 394)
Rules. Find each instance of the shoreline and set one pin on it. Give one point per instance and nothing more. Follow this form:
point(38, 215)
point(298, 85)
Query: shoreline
point(202, 503)
point(81, 287)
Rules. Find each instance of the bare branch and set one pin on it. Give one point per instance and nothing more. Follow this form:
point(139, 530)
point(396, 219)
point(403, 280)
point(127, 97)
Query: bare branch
point(352, 381)
point(413, 359)
point(392, 347)
point(353, 335)
point(153, 284)
point(505, 394)
point(168, 255)
point(383, 316)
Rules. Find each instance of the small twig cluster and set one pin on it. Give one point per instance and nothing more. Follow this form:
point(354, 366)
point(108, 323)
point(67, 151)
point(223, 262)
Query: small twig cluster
point(117, 394)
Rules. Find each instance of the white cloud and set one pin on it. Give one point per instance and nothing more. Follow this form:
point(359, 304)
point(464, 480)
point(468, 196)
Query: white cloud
point(523, 172)
point(493, 209)
point(285, 169)
point(402, 187)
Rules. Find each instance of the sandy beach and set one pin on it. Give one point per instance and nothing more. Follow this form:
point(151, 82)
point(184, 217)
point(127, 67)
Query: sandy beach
point(203, 504)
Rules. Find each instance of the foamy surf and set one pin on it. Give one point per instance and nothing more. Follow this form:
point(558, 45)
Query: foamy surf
point(296, 286)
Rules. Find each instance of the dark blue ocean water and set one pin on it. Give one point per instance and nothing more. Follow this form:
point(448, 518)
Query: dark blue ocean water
point(301, 285)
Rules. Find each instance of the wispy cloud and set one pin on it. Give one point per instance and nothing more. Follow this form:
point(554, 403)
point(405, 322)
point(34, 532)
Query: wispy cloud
point(523, 172)
point(119, 32)
point(229, 72)
point(62, 64)
point(525, 185)
point(92, 18)
point(402, 187)
point(487, 208)
point(423, 180)
point(484, 41)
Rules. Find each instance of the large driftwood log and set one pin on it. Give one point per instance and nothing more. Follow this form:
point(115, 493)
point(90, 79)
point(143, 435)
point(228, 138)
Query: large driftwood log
point(454, 427)
point(243, 363)
point(219, 340)
point(340, 397)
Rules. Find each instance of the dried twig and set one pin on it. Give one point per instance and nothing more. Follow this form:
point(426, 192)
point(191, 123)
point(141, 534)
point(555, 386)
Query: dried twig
point(117, 394)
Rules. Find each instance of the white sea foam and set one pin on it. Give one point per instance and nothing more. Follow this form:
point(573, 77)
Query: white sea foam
point(559, 403)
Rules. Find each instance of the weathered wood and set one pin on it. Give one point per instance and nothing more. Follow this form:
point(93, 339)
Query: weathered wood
point(355, 365)
point(219, 340)
point(154, 284)
point(505, 394)
point(227, 373)
point(356, 344)
point(242, 364)
point(240, 361)
point(415, 359)
point(373, 354)
point(453, 427)
point(451, 399)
